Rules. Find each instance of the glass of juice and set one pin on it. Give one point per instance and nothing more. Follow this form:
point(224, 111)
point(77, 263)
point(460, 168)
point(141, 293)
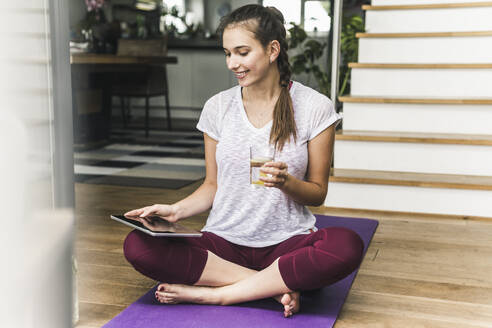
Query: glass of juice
point(258, 156)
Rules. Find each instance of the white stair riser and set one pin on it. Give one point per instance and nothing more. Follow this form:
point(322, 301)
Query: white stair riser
point(25, 77)
point(463, 83)
point(410, 199)
point(418, 2)
point(429, 20)
point(439, 118)
point(414, 157)
point(477, 49)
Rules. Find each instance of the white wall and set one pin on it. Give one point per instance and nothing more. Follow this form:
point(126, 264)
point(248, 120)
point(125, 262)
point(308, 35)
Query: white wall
point(76, 13)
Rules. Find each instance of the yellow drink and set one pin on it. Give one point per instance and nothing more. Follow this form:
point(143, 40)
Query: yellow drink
point(254, 169)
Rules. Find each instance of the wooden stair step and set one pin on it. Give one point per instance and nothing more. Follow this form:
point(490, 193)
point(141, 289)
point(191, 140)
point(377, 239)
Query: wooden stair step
point(449, 181)
point(415, 137)
point(383, 100)
point(420, 66)
point(423, 34)
point(429, 6)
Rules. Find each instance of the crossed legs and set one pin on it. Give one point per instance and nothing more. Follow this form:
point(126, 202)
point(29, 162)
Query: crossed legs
point(229, 283)
point(211, 270)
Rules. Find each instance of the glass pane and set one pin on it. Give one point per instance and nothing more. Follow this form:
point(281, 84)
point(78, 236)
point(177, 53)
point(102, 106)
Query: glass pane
point(316, 16)
point(168, 19)
point(178, 3)
point(290, 9)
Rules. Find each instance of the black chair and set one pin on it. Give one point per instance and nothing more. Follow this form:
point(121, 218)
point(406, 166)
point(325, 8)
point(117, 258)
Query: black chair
point(144, 81)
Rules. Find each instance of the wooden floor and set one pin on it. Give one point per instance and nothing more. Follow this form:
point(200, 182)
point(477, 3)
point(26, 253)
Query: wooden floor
point(419, 271)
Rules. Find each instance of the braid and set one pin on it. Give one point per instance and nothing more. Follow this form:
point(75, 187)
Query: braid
point(284, 124)
point(283, 58)
point(284, 67)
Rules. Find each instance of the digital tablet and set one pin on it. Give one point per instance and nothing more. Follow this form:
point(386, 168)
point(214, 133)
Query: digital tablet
point(156, 226)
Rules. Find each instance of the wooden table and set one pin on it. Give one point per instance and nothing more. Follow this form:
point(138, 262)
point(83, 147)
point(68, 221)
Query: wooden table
point(91, 90)
point(98, 59)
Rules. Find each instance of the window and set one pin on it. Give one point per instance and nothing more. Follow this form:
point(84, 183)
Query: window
point(317, 16)
point(170, 20)
point(290, 9)
point(313, 15)
point(180, 4)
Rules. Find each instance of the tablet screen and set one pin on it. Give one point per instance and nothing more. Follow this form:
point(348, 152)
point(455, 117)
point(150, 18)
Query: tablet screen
point(156, 226)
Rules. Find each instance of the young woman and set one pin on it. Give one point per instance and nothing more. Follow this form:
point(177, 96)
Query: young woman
point(258, 242)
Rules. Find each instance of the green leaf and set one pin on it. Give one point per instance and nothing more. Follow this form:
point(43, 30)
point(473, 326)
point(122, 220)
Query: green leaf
point(175, 11)
point(298, 66)
point(315, 48)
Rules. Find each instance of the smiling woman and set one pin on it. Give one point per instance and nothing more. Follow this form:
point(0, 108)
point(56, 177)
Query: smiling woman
point(266, 109)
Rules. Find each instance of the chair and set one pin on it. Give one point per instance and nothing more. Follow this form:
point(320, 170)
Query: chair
point(141, 81)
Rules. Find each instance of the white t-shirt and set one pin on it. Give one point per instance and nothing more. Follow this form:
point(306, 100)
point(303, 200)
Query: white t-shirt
point(243, 213)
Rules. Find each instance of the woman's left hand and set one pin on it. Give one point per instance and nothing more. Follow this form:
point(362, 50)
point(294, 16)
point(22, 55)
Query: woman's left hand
point(276, 174)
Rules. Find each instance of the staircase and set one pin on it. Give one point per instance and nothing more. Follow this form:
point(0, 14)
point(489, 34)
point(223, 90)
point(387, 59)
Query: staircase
point(417, 129)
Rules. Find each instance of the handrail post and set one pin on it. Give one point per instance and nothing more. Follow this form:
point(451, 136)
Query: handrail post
point(335, 57)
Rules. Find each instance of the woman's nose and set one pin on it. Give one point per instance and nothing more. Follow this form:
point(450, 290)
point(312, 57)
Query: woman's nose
point(232, 64)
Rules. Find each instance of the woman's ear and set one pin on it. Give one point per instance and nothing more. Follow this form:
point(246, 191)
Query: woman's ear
point(274, 50)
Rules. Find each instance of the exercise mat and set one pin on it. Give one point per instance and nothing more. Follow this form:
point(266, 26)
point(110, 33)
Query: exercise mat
point(318, 308)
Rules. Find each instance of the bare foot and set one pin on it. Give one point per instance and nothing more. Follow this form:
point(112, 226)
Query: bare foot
point(291, 303)
point(175, 293)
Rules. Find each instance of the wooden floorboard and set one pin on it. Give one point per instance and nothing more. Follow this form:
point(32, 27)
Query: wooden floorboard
point(419, 271)
point(353, 317)
point(455, 314)
point(96, 314)
point(419, 288)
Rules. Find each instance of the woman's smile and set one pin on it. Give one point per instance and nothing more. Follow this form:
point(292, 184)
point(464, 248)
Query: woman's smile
point(241, 75)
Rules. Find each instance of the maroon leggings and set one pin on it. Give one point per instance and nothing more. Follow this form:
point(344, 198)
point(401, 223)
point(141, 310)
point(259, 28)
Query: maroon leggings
point(308, 261)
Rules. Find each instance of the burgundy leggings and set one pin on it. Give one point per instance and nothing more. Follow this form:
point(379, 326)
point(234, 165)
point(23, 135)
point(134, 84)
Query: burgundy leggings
point(308, 261)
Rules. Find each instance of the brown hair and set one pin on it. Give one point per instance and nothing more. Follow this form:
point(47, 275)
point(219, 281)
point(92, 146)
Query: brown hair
point(270, 26)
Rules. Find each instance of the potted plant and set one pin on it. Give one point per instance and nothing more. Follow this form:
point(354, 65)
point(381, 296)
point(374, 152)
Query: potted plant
point(191, 29)
point(93, 26)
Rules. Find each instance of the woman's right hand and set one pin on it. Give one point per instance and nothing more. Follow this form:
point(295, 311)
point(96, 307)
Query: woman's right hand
point(166, 212)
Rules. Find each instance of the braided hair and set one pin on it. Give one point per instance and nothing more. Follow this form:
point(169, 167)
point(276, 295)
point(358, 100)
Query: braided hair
point(268, 26)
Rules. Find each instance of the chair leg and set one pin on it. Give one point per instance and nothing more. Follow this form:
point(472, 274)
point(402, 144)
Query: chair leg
point(123, 114)
point(110, 114)
point(146, 117)
point(128, 109)
point(168, 111)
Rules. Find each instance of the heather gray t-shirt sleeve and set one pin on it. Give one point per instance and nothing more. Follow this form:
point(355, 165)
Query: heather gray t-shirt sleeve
point(208, 122)
point(322, 116)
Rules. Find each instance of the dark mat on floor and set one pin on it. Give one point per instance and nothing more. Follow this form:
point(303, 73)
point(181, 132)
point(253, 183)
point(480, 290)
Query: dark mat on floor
point(172, 161)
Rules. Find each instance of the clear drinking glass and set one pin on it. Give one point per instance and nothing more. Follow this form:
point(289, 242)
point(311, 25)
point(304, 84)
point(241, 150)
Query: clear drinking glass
point(258, 156)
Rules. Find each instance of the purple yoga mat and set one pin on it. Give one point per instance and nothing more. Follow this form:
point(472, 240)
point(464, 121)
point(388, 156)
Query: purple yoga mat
point(318, 308)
